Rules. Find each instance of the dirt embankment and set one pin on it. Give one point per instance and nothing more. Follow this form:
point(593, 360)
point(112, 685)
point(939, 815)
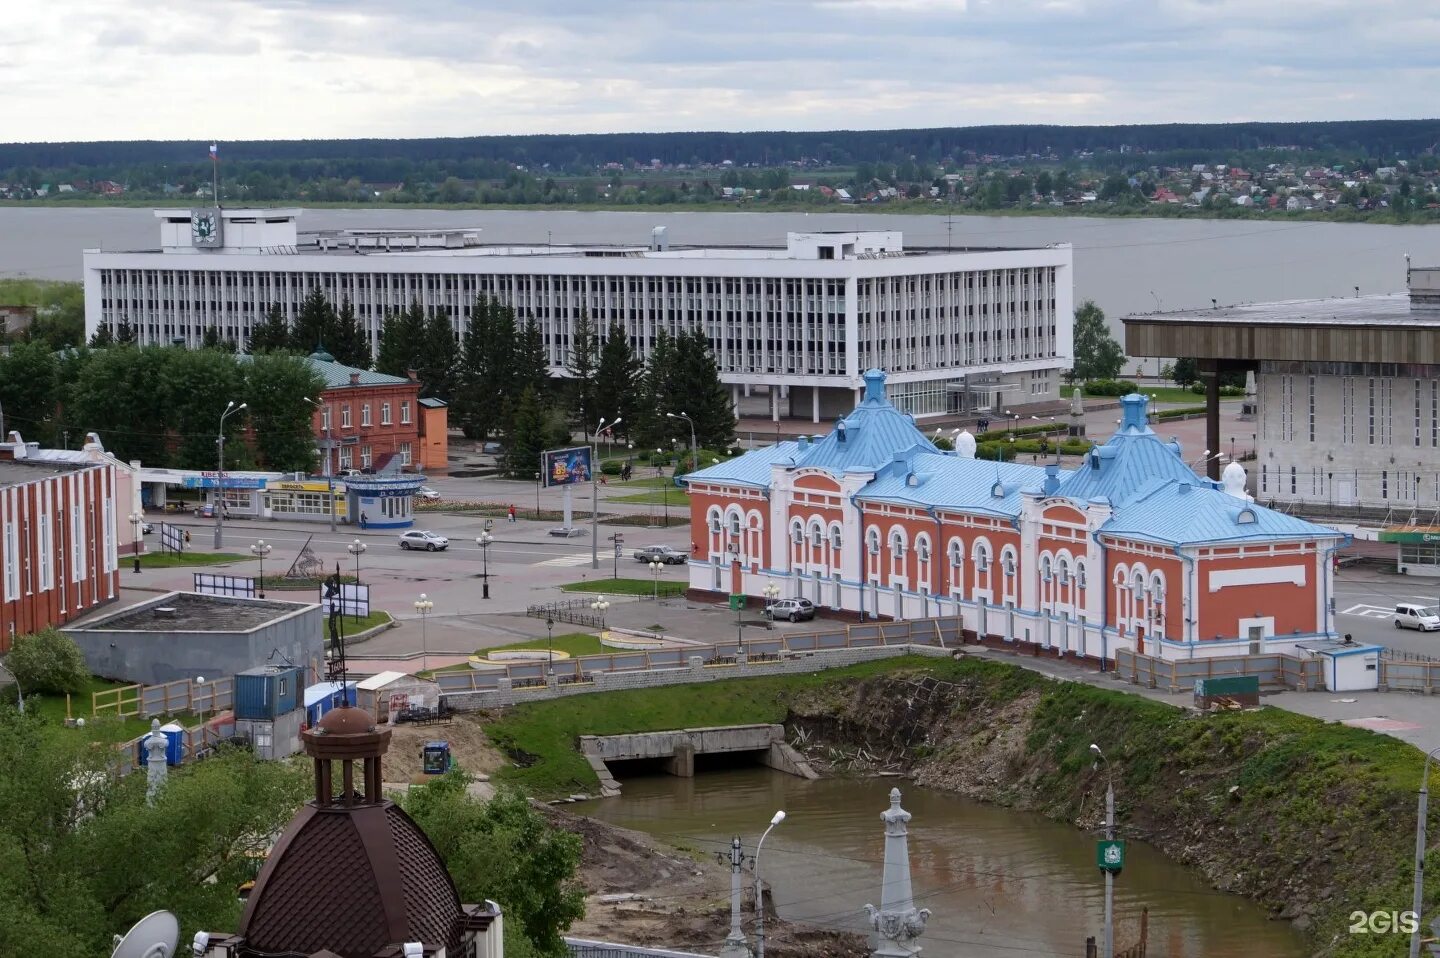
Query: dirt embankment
point(1293, 813)
point(642, 892)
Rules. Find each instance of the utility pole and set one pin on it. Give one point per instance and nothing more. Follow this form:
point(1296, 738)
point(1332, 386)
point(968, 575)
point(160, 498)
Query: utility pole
point(735, 944)
point(1109, 951)
point(1417, 903)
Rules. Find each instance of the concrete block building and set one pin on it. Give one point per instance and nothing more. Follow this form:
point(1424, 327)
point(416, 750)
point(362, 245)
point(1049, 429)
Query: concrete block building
point(793, 328)
point(1131, 549)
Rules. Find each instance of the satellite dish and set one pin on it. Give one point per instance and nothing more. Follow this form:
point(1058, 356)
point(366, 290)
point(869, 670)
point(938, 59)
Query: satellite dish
point(154, 936)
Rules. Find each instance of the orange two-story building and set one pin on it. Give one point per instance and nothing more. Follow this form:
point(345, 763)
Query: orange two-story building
point(1132, 549)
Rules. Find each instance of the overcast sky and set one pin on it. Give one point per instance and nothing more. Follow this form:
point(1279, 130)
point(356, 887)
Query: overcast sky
point(282, 69)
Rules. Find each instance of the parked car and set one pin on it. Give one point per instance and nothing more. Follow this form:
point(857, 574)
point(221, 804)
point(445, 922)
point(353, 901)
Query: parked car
point(425, 492)
point(206, 510)
point(663, 554)
point(424, 539)
point(1413, 615)
point(146, 528)
point(795, 610)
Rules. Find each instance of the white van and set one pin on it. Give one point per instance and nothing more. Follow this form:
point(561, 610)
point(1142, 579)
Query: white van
point(1413, 615)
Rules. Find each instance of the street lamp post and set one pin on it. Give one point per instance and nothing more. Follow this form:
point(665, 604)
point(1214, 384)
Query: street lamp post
point(694, 451)
point(230, 408)
point(772, 592)
point(356, 549)
point(423, 605)
point(260, 550)
point(1417, 902)
point(550, 646)
point(200, 681)
point(537, 495)
point(655, 566)
point(600, 605)
point(1109, 950)
point(136, 519)
point(328, 472)
point(483, 540)
point(760, 888)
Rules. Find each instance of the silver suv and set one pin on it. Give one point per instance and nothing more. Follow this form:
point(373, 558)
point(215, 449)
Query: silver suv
point(795, 610)
point(423, 539)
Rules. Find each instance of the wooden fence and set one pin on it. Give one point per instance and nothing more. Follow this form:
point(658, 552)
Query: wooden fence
point(172, 698)
point(1179, 675)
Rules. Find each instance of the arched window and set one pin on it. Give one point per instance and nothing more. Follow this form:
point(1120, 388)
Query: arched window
point(837, 539)
point(1062, 570)
point(1137, 584)
point(922, 548)
point(714, 519)
point(817, 534)
point(1046, 568)
point(797, 531)
point(1007, 561)
point(982, 557)
point(735, 524)
point(1157, 587)
point(957, 553)
point(872, 541)
point(897, 544)
point(1080, 576)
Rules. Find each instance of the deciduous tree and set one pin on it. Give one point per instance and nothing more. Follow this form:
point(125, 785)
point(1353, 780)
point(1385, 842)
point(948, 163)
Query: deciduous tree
point(1097, 354)
point(276, 387)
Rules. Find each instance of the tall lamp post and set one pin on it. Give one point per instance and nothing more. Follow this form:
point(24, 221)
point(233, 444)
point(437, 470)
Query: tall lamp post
point(423, 605)
point(260, 550)
point(328, 472)
point(230, 408)
point(760, 888)
point(537, 495)
point(772, 592)
point(694, 451)
point(600, 605)
point(655, 566)
point(607, 430)
point(483, 540)
point(135, 520)
point(1417, 903)
point(550, 646)
point(1109, 950)
point(356, 549)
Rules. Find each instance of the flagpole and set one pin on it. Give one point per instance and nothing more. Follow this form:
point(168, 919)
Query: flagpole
point(215, 173)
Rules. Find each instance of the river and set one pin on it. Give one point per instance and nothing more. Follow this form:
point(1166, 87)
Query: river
point(998, 882)
point(1125, 265)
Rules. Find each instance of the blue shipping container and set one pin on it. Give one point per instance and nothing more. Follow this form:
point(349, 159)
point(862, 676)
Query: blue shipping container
point(267, 692)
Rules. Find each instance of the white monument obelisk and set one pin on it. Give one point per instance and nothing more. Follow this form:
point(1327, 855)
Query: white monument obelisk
point(155, 767)
point(897, 922)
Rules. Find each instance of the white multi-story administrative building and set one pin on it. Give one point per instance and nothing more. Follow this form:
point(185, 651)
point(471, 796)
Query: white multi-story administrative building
point(962, 330)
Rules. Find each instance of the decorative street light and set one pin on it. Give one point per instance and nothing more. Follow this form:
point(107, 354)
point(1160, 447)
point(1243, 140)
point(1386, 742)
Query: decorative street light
point(135, 520)
point(260, 550)
point(760, 888)
point(1109, 950)
point(600, 605)
point(230, 408)
point(772, 592)
point(694, 453)
point(602, 428)
point(200, 681)
point(423, 605)
point(655, 566)
point(356, 549)
point(483, 540)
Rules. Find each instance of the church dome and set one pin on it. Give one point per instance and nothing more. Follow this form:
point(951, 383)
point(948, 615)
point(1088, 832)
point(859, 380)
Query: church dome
point(353, 881)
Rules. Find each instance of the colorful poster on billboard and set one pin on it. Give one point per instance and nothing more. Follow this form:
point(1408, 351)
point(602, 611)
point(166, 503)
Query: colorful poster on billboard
point(565, 467)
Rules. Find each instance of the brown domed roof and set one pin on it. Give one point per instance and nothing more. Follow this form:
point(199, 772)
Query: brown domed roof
point(346, 720)
point(352, 880)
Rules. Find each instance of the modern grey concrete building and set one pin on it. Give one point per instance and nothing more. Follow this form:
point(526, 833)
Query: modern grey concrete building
point(793, 328)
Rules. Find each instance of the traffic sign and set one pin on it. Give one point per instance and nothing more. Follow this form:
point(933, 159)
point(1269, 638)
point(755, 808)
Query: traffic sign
point(1110, 855)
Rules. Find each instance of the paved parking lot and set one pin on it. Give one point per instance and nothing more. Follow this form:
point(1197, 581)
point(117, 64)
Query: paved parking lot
point(1365, 600)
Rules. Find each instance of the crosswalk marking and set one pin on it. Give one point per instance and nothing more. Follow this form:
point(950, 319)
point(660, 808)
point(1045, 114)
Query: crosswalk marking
point(582, 558)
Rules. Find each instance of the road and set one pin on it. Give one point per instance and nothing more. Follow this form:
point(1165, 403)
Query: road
point(1365, 599)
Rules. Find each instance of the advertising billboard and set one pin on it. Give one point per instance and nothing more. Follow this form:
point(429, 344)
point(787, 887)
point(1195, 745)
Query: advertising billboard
point(565, 467)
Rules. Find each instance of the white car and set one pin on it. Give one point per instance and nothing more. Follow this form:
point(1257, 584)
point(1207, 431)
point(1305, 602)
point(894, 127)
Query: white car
point(1413, 615)
point(425, 492)
point(423, 539)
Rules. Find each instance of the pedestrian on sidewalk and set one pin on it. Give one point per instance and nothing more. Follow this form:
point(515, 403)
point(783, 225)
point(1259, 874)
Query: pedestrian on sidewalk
point(364, 521)
point(511, 512)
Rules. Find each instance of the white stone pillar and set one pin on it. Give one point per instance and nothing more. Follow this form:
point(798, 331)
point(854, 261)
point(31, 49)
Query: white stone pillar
point(155, 767)
point(815, 404)
point(897, 922)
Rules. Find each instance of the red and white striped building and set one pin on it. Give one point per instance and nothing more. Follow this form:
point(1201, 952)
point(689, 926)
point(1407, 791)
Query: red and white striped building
point(58, 543)
point(1131, 549)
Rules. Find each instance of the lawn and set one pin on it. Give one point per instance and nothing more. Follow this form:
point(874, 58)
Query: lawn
point(172, 560)
point(619, 586)
point(542, 734)
point(103, 728)
point(352, 625)
point(1172, 394)
point(674, 498)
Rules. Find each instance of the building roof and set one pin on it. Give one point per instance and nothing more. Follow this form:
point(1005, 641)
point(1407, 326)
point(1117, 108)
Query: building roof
point(1387, 309)
point(1118, 469)
point(1179, 512)
point(193, 612)
point(751, 469)
point(20, 471)
point(941, 481)
point(430, 402)
point(337, 375)
point(871, 436)
point(380, 679)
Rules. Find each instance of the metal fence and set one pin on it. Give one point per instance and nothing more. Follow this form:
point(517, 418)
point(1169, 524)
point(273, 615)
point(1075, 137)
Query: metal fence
point(571, 611)
point(209, 583)
point(585, 948)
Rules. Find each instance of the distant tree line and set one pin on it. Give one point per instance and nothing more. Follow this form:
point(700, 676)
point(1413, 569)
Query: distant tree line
point(488, 156)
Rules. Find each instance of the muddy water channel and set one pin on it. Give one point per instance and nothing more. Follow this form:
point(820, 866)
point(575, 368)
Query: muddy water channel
point(998, 883)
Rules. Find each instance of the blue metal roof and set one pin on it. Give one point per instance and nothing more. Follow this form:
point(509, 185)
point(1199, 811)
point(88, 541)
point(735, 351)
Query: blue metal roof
point(950, 482)
point(869, 437)
point(1180, 512)
point(751, 469)
point(1123, 465)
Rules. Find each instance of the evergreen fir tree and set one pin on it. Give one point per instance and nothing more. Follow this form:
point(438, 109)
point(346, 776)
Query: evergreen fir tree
point(660, 393)
point(273, 334)
point(211, 338)
point(401, 339)
point(349, 344)
point(103, 337)
point(707, 400)
point(526, 437)
point(435, 359)
point(125, 333)
point(532, 361)
point(582, 362)
point(314, 325)
point(617, 379)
